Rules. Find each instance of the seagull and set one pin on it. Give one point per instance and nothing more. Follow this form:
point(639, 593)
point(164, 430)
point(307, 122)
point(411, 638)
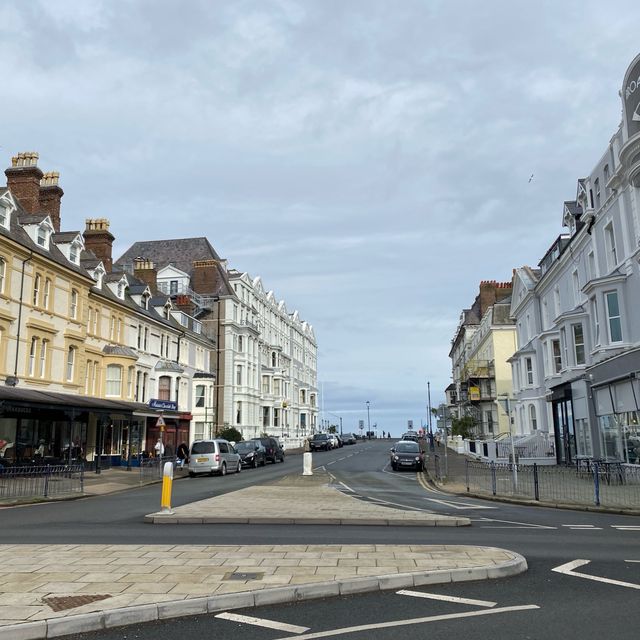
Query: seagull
point(531, 177)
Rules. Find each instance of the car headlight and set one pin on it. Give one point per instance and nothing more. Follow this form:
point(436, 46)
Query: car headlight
point(395, 458)
point(417, 458)
point(250, 455)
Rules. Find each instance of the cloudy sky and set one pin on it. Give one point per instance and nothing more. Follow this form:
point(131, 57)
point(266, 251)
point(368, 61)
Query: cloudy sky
point(370, 159)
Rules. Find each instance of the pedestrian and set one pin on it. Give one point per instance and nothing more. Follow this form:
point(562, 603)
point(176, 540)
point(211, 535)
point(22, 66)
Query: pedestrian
point(159, 448)
point(183, 454)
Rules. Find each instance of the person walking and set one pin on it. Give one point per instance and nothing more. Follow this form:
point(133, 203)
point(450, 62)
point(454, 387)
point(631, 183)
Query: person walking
point(159, 448)
point(183, 454)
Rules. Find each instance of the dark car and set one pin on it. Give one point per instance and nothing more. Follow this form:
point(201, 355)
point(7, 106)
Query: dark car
point(350, 438)
point(252, 453)
point(406, 454)
point(320, 441)
point(273, 449)
point(411, 435)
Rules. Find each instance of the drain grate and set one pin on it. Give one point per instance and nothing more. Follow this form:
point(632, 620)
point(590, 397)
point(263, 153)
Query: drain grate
point(238, 575)
point(62, 603)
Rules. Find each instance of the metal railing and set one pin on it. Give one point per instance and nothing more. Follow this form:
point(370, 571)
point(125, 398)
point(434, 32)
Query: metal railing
point(151, 468)
point(607, 484)
point(41, 481)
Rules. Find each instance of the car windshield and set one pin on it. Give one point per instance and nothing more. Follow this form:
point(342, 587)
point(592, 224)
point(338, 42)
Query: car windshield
point(245, 447)
point(320, 436)
point(407, 447)
point(203, 447)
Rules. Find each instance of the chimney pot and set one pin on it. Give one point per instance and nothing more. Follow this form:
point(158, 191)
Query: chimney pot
point(23, 180)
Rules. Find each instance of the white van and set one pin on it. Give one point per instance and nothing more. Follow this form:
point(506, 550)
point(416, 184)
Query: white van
point(213, 456)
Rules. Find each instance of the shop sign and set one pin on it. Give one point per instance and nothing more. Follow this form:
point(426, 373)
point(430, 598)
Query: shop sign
point(164, 405)
point(474, 394)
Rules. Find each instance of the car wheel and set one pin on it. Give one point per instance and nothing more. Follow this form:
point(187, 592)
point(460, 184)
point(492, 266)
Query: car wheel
point(239, 469)
point(223, 469)
point(191, 474)
point(264, 462)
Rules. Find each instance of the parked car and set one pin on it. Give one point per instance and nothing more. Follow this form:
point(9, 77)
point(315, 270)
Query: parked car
point(252, 453)
point(334, 440)
point(213, 456)
point(339, 439)
point(411, 435)
point(320, 441)
point(273, 449)
point(406, 454)
point(350, 438)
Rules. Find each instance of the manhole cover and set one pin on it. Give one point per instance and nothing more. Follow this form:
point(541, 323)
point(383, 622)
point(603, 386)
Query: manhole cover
point(62, 603)
point(237, 575)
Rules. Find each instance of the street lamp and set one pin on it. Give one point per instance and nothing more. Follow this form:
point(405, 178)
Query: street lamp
point(368, 421)
point(505, 402)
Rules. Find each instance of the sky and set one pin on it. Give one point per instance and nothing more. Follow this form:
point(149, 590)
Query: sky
point(369, 159)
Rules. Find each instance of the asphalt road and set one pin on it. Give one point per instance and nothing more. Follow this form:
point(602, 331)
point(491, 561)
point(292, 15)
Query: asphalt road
point(541, 603)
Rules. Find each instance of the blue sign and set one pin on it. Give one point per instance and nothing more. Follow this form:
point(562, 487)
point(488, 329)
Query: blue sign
point(165, 405)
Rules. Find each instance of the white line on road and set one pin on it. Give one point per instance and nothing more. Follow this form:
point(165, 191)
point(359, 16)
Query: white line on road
point(398, 504)
point(524, 525)
point(409, 621)
point(632, 560)
point(437, 596)
point(347, 487)
point(626, 527)
point(582, 527)
point(459, 505)
point(261, 622)
point(330, 463)
point(568, 569)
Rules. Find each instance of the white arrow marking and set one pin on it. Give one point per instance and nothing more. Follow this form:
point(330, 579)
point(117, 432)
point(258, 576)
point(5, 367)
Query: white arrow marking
point(568, 569)
point(436, 596)
point(459, 505)
point(261, 622)
point(403, 623)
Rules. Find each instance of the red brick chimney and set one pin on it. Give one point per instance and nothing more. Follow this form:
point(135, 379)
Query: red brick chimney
point(146, 271)
point(23, 180)
point(204, 276)
point(97, 238)
point(50, 196)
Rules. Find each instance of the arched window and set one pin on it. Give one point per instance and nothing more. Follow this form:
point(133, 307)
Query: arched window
point(164, 388)
point(114, 380)
point(532, 417)
point(71, 361)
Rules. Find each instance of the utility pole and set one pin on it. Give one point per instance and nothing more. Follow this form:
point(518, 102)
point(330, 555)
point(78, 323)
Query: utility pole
point(430, 429)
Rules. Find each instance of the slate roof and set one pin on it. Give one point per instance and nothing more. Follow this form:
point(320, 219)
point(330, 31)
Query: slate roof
point(117, 350)
point(65, 236)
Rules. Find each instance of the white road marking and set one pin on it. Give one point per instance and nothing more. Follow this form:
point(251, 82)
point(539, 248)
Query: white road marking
point(459, 505)
point(436, 596)
point(261, 622)
point(626, 527)
point(582, 527)
point(398, 504)
point(409, 621)
point(330, 463)
point(568, 569)
point(523, 525)
point(632, 560)
point(347, 487)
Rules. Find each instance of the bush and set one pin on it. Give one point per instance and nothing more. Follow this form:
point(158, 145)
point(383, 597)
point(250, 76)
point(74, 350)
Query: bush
point(231, 434)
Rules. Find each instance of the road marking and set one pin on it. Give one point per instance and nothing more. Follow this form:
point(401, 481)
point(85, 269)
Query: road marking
point(626, 527)
point(410, 621)
point(339, 459)
point(632, 560)
point(397, 504)
point(568, 569)
point(459, 505)
point(523, 525)
point(436, 596)
point(423, 483)
point(582, 527)
point(330, 463)
point(261, 622)
point(347, 487)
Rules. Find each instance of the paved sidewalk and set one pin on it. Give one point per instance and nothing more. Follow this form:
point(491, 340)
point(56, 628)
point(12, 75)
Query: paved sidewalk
point(48, 591)
point(299, 500)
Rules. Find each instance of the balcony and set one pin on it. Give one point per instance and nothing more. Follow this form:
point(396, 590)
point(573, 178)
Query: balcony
point(477, 369)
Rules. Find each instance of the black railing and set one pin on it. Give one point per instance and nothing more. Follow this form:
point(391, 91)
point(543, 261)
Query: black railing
point(41, 481)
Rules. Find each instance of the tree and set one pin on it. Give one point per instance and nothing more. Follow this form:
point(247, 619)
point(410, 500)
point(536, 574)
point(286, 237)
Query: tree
point(332, 429)
point(231, 434)
point(463, 426)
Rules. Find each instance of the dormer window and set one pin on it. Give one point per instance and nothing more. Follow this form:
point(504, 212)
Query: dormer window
point(74, 254)
point(145, 300)
point(42, 237)
point(121, 289)
point(4, 216)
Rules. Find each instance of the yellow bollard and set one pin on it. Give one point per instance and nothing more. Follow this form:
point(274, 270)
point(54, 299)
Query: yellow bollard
point(167, 482)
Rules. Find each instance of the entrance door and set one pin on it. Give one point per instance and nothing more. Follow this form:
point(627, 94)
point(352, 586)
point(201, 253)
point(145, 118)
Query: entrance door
point(564, 429)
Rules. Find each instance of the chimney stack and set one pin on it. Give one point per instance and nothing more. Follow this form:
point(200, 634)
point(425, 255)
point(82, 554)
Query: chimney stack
point(145, 270)
point(23, 180)
point(97, 238)
point(50, 196)
point(204, 276)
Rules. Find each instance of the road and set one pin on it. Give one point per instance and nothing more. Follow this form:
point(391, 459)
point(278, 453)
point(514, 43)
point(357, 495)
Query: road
point(542, 603)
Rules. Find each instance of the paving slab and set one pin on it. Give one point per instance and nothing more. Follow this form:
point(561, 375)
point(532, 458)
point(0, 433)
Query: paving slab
point(249, 576)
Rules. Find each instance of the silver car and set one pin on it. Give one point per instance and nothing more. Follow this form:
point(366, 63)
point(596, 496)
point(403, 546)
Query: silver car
point(213, 456)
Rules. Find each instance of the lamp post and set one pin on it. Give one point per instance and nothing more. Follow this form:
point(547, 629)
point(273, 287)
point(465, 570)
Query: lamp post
point(368, 421)
point(505, 402)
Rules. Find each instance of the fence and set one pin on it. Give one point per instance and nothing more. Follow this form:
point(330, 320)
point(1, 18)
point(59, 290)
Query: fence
point(44, 481)
point(607, 484)
point(151, 468)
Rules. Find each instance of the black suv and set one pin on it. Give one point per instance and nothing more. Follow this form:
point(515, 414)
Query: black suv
point(273, 449)
point(320, 441)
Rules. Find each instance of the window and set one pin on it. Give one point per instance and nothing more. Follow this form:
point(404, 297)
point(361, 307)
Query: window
point(74, 254)
point(610, 246)
point(71, 359)
point(3, 272)
point(276, 417)
point(596, 322)
point(145, 345)
point(43, 237)
point(240, 344)
point(200, 395)
point(239, 375)
point(87, 379)
point(274, 359)
point(557, 356)
point(32, 356)
point(239, 413)
point(130, 375)
point(73, 307)
point(613, 316)
point(596, 184)
point(43, 359)
point(265, 384)
point(164, 388)
point(47, 293)
point(114, 380)
point(4, 217)
point(276, 387)
point(528, 363)
point(532, 417)
point(578, 343)
point(37, 284)
point(173, 287)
